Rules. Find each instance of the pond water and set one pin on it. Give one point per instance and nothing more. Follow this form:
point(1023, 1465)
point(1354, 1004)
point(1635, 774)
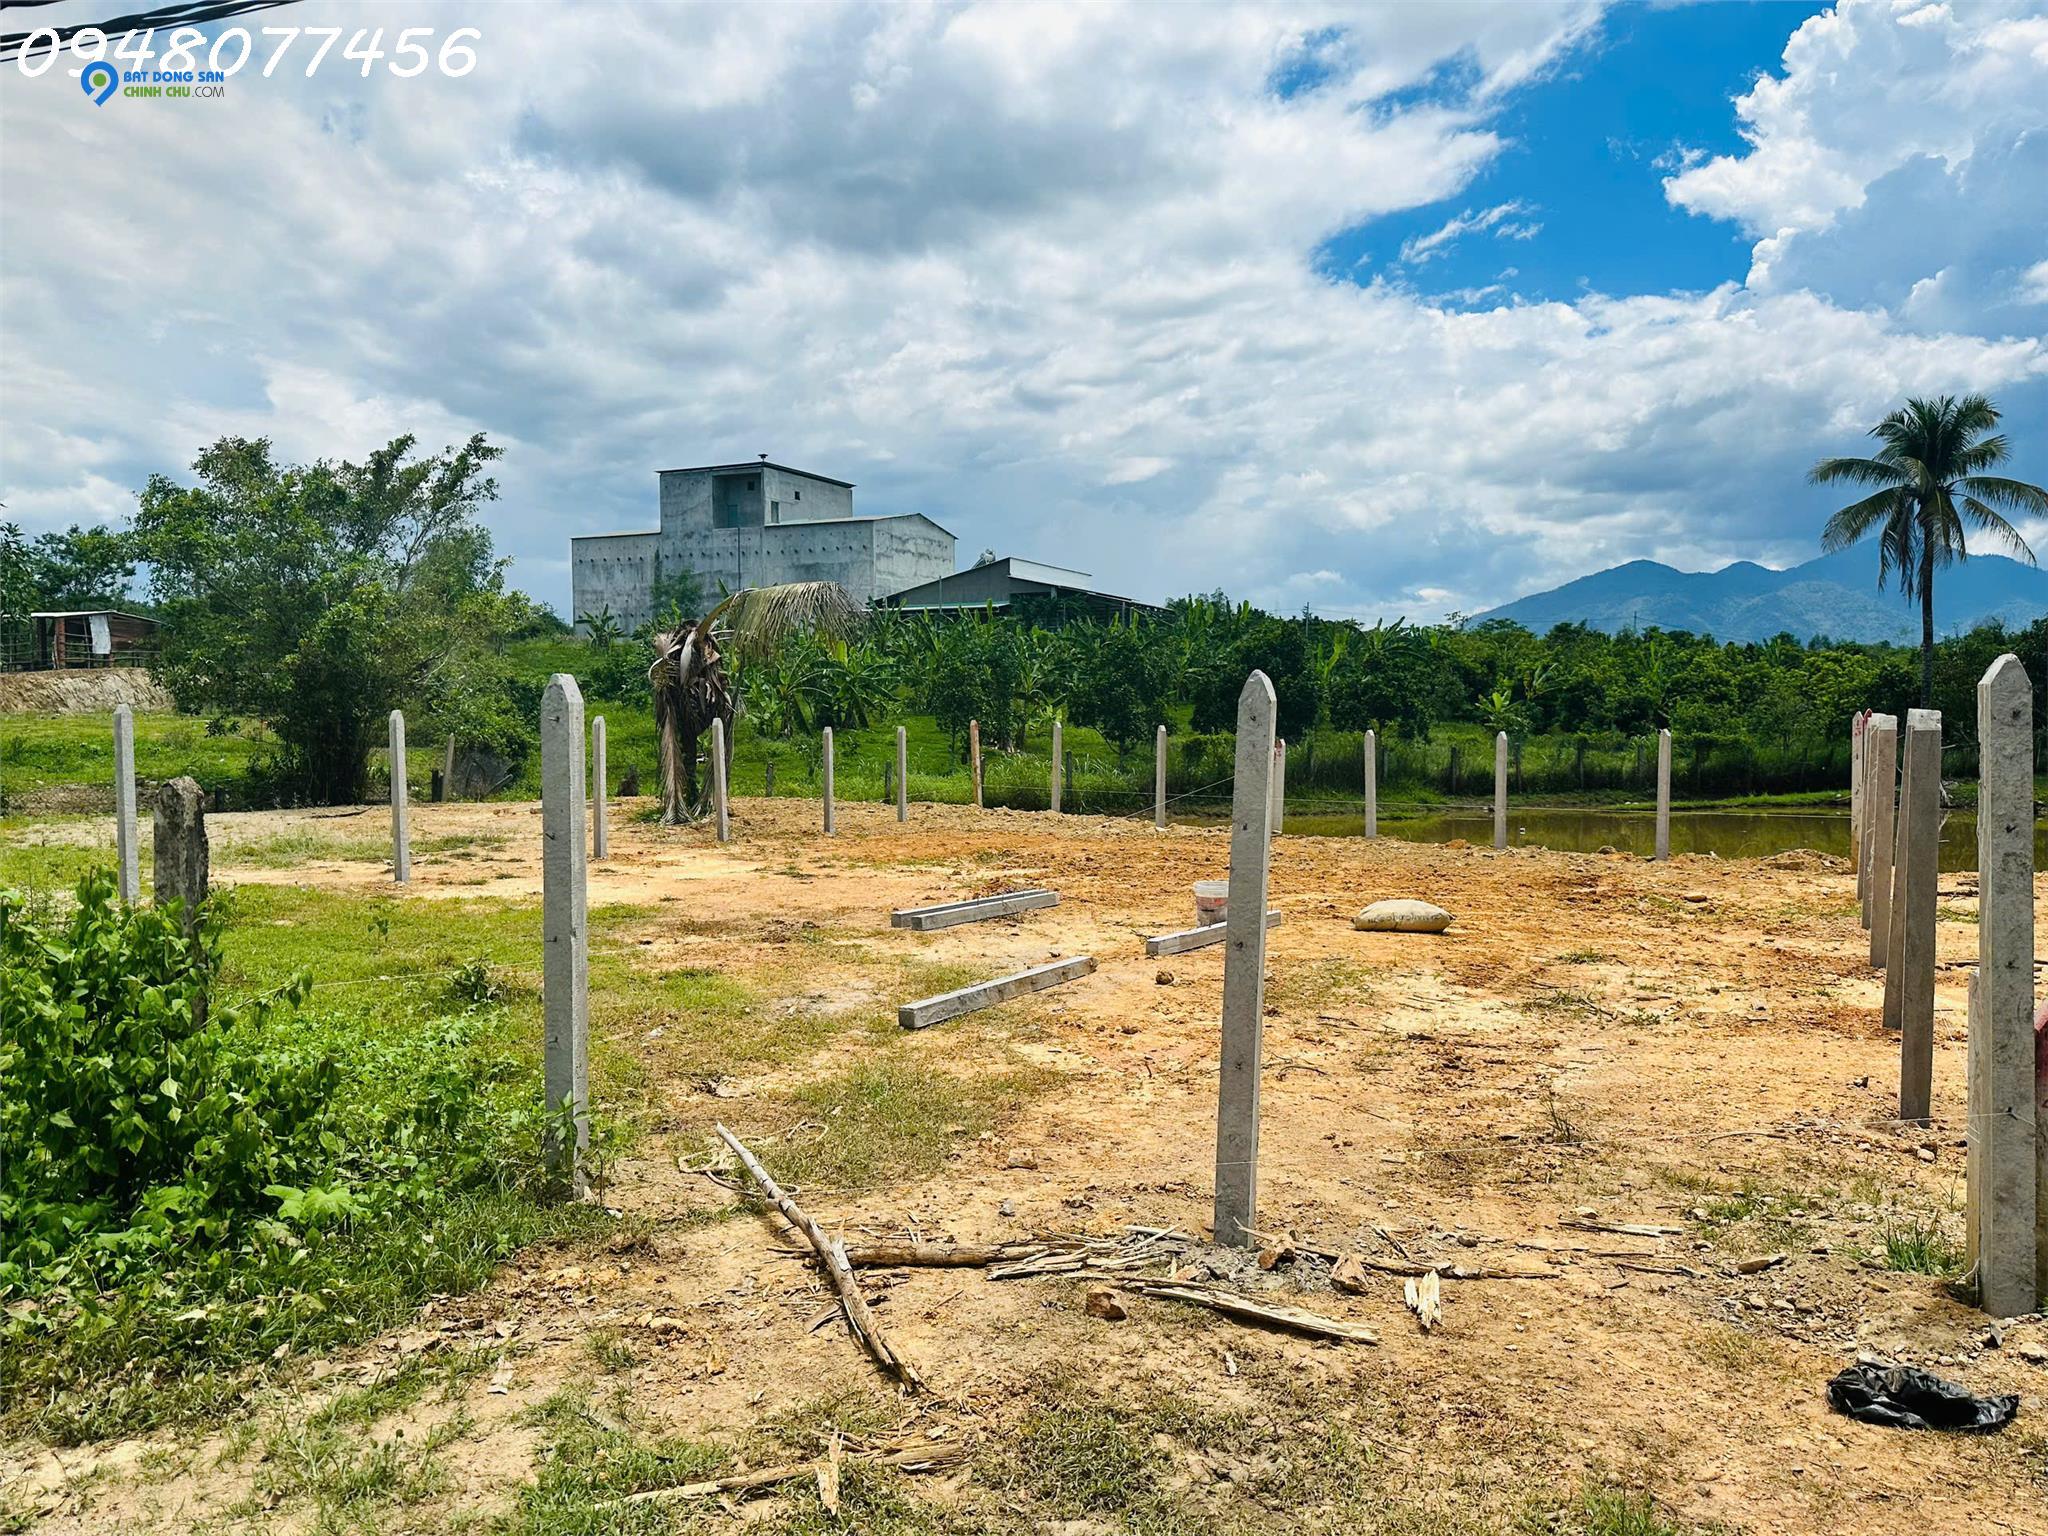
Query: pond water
point(1730, 834)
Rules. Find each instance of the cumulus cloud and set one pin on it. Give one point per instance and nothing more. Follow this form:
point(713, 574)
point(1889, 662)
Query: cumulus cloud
point(1897, 160)
point(1045, 274)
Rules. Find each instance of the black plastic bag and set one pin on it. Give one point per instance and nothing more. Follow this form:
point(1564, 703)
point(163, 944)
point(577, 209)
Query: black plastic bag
point(1905, 1397)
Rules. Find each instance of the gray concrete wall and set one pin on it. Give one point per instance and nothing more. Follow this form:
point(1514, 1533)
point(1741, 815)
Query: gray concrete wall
point(614, 570)
point(795, 498)
point(824, 541)
point(870, 557)
point(907, 551)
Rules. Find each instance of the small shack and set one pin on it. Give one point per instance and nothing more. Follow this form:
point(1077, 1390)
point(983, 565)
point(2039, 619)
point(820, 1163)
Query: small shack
point(87, 637)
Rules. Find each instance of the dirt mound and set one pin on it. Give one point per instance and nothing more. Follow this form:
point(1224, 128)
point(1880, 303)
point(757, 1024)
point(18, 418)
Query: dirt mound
point(81, 693)
point(1810, 859)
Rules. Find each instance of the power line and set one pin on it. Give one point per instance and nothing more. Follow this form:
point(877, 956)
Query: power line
point(15, 45)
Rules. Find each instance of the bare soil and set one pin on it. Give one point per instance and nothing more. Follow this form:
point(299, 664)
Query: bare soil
point(1596, 1041)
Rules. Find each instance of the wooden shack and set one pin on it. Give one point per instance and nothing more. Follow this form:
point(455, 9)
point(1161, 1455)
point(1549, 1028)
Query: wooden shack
point(91, 637)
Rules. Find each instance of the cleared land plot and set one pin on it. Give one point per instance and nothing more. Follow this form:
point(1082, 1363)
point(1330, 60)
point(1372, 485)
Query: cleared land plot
point(1598, 1042)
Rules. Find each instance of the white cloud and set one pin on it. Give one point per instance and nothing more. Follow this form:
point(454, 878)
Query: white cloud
point(1506, 221)
point(1055, 290)
point(2033, 287)
point(1903, 144)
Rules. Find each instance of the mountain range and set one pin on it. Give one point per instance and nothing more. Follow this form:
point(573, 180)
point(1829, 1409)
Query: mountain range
point(1836, 596)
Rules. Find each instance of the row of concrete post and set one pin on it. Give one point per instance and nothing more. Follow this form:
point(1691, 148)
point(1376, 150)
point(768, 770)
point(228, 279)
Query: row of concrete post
point(1895, 818)
point(1276, 781)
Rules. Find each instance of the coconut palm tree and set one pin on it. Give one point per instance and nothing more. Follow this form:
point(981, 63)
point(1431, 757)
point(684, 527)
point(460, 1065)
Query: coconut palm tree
point(1928, 479)
point(691, 687)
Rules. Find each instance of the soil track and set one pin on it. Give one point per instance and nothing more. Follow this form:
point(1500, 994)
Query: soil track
point(1596, 1041)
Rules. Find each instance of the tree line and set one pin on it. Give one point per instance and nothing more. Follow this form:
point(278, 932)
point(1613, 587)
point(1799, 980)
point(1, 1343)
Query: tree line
point(317, 597)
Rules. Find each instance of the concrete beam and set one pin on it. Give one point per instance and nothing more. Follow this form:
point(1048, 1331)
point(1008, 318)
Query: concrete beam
point(950, 1005)
point(952, 913)
point(1199, 938)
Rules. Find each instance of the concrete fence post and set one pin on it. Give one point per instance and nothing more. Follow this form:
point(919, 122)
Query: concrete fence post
point(1372, 783)
point(1882, 748)
point(1909, 962)
point(1500, 789)
point(2005, 1111)
point(1159, 778)
point(600, 836)
point(974, 758)
point(127, 853)
point(448, 767)
point(1279, 784)
point(902, 774)
point(565, 957)
point(719, 793)
point(828, 781)
point(1856, 799)
point(181, 855)
point(1664, 794)
point(1058, 763)
point(401, 835)
point(1244, 967)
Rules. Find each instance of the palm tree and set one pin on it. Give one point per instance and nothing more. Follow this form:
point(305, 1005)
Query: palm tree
point(689, 679)
point(1927, 480)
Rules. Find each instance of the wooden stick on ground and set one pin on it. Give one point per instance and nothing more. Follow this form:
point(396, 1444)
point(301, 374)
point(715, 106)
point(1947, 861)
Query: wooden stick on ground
point(832, 1254)
point(914, 1458)
point(1231, 1304)
point(901, 1253)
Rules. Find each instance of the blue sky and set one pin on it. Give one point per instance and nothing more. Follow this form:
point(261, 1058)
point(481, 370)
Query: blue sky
point(1581, 180)
point(1384, 310)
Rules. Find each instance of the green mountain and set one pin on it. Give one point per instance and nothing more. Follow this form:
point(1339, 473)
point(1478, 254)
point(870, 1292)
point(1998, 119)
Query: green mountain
point(1835, 595)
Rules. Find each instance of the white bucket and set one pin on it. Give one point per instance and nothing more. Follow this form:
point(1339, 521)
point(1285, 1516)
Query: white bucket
point(1212, 902)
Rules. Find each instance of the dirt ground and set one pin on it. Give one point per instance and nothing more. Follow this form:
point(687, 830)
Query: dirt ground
point(1597, 1041)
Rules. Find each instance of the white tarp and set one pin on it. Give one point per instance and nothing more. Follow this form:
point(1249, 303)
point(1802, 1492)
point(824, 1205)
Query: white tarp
point(102, 641)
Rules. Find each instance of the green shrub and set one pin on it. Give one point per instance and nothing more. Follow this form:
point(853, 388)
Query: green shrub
point(131, 1118)
point(191, 1183)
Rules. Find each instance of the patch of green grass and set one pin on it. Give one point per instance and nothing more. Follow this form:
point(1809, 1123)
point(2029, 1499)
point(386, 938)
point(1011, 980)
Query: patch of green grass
point(591, 1463)
point(1751, 1215)
point(39, 751)
point(1605, 1508)
point(1915, 1245)
point(1563, 1002)
point(1584, 957)
point(1735, 1352)
point(895, 1116)
point(1321, 982)
point(144, 1361)
point(35, 867)
point(288, 850)
point(345, 1472)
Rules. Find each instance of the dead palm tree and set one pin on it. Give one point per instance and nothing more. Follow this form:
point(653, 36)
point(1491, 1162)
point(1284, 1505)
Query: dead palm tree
point(1929, 479)
point(691, 687)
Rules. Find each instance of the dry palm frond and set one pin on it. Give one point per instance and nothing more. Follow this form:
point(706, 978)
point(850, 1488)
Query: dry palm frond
point(757, 619)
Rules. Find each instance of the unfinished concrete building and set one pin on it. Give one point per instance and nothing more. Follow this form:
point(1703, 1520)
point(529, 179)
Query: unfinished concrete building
point(752, 525)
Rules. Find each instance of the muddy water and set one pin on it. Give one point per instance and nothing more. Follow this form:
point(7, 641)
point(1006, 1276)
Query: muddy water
point(1730, 834)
